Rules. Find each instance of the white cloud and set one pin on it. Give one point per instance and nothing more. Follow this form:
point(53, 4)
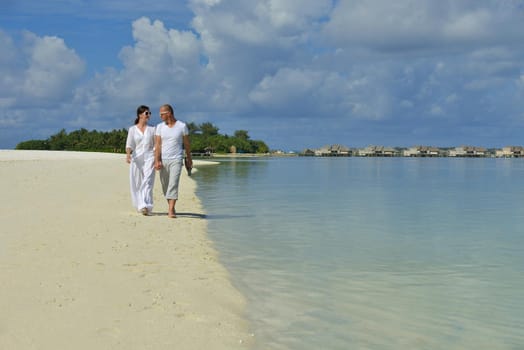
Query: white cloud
point(42, 71)
point(162, 66)
point(292, 14)
point(407, 25)
point(206, 3)
point(285, 86)
point(38, 75)
point(53, 69)
point(469, 25)
point(8, 67)
point(157, 49)
point(299, 93)
point(219, 27)
point(9, 50)
point(382, 23)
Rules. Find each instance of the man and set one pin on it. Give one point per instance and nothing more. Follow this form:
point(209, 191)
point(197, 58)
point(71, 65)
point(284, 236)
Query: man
point(171, 139)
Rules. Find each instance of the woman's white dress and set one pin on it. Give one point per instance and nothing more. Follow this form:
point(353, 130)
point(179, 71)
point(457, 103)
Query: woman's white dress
point(141, 170)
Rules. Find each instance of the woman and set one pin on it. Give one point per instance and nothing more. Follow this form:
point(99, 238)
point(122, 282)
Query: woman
point(141, 157)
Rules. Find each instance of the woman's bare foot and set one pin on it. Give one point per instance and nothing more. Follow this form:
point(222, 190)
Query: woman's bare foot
point(171, 215)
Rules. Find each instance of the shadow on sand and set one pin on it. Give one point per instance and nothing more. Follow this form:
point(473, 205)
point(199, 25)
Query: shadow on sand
point(181, 215)
point(201, 216)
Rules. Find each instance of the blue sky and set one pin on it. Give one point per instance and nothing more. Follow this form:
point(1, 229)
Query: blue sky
point(294, 73)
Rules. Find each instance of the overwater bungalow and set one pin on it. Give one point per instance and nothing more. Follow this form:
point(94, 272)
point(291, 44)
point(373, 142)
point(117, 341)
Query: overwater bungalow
point(468, 151)
point(329, 151)
point(510, 152)
point(423, 151)
point(378, 151)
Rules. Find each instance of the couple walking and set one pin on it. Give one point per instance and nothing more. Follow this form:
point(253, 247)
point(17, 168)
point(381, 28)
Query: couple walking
point(161, 148)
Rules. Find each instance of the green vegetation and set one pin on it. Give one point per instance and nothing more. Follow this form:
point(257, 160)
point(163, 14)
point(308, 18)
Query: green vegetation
point(80, 140)
point(204, 139)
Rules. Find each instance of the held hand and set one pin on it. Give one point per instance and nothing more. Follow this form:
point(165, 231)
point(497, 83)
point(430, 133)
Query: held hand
point(158, 165)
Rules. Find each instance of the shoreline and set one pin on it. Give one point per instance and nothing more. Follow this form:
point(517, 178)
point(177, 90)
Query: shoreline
point(80, 268)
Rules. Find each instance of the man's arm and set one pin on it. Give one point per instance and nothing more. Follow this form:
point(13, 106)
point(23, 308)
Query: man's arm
point(187, 148)
point(158, 152)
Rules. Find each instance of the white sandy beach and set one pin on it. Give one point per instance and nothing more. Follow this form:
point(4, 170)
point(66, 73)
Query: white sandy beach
point(80, 269)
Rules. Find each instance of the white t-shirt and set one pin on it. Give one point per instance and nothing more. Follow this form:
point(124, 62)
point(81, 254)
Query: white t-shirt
point(172, 139)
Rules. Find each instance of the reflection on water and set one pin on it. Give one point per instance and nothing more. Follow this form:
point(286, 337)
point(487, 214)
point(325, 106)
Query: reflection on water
point(236, 170)
point(373, 253)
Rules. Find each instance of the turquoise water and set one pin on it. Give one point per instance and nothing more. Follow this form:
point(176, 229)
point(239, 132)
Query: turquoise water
point(373, 253)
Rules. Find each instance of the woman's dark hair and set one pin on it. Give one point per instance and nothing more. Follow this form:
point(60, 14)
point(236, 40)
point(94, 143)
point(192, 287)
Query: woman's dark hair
point(141, 109)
